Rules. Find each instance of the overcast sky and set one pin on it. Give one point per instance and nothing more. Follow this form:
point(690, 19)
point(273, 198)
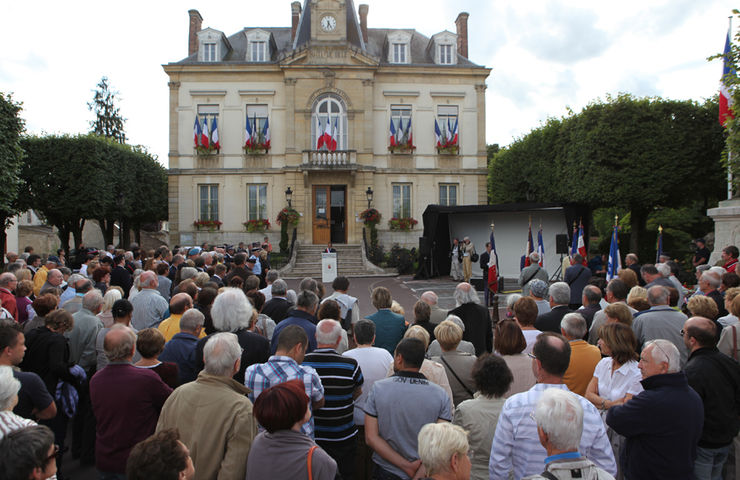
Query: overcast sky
point(546, 56)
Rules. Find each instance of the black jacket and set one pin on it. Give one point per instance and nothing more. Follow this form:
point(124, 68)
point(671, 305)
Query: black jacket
point(47, 355)
point(550, 321)
point(716, 378)
point(277, 309)
point(478, 330)
point(255, 349)
point(121, 277)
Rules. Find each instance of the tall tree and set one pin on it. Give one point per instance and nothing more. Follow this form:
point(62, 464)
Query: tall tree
point(11, 159)
point(108, 121)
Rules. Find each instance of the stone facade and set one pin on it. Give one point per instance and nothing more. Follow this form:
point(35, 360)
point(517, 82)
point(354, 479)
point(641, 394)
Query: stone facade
point(327, 63)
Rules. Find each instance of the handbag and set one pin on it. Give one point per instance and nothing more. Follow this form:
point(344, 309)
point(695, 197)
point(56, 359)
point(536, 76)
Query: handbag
point(456, 377)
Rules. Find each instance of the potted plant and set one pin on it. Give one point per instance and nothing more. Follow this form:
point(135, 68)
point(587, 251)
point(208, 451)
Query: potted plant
point(404, 224)
point(210, 225)
point(288, 216)
point(258, 225)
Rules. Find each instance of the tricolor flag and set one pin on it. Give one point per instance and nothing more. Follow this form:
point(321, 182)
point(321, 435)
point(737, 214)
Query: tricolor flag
point(448, 134)
point(574, 243)
point(249, 132)
point(659, 248)
point(453, 135)
point(541, 248)
point(204, 133)
point(581, 243)
point(615, 262)
point(393, 134)
point(409, 135)
point(324, 134)
point(493, 267)
point(725, 99)
point(266, 134)
point(214, 135)
point(334, 136)
point(196, 131)
point(530, 247)
point(437, 134)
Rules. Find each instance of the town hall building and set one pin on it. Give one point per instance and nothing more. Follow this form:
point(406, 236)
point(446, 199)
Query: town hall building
point(328, 115)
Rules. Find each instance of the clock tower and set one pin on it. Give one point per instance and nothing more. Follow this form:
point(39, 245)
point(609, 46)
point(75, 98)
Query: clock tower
point(328, 21)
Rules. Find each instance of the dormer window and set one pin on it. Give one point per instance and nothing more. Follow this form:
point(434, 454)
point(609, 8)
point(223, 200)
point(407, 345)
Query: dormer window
point(445, 55)
point(398, 47)
point(209, 52)
point(443, 48)
point(260, 45)
point(212, 45)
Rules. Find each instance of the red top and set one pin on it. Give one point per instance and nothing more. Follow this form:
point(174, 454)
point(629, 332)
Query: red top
point(730, 265)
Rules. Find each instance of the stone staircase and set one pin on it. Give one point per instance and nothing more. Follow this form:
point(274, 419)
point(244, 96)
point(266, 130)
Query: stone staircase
point(350, 263)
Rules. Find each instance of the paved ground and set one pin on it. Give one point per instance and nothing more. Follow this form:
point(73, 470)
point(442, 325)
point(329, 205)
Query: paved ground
point(404, 289)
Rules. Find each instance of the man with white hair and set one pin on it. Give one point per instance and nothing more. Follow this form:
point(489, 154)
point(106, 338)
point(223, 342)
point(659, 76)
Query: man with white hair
point(538, 290)
point(709, 283)
point(220, 435)
point(478, 329)
point(438, 315)
point(278, 306)
point(559, 293)
point(533, 271)
point(663, 423)
point(559, 418)
point(660, 322)
point(335, 429)
point(181, 348)
point(71, 290)
point(270, 278)
point(653, 277)
point(149, 305)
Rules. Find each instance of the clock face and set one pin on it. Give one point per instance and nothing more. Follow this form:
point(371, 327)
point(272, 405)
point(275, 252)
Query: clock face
point(328, 23)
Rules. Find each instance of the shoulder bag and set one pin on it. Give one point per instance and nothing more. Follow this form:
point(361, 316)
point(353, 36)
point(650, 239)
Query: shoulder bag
point(455, 375)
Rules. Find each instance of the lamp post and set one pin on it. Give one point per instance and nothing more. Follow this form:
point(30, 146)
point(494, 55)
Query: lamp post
point(369, 196)
point(289, 197)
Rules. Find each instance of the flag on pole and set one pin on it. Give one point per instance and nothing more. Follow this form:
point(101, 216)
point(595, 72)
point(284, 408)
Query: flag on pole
point(574, 242)
point(659, 249)
point(725, 99)
point(409, 135)
point(541, 248)
point(214, 134)
point(453, 135)
point(615, 262)
point(393, 133)
point(448, 133)
point(334, 136)
point(581, 243)
point(266, 134)
point(530, 246)
point(437, 134)
point(248, 131)
point(493, 266)
point(204, 133)
point(196, 131)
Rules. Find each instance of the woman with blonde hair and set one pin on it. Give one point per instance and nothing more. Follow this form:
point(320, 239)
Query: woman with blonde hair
point(703, 306)
point(111, 295)
point(459, 366)
point(443, 450)
point(728, 343)
point(637, 299)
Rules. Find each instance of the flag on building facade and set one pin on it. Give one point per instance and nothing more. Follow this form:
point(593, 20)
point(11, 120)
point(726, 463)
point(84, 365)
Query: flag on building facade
point(615, 262)
point(333, 136)
point(204, 133)
point(437, 134)
point(541, 248)
point(266, 134)
point(493, 267)
point(453, 135)
point(409, 135)
point(214, 134)
point(393, 134)
point(250, 134)
point(196, 131)
point(725, 99)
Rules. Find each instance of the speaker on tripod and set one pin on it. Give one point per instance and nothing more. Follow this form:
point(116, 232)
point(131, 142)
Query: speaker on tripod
point(561, 244)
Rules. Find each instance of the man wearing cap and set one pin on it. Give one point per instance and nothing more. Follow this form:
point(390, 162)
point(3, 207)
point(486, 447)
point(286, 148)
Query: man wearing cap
point(39, 277)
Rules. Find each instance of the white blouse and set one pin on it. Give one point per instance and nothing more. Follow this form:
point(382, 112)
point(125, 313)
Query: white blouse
point(613, 386)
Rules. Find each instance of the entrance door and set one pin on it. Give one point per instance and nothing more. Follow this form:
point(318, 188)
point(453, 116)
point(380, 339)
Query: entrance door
point(329, 214)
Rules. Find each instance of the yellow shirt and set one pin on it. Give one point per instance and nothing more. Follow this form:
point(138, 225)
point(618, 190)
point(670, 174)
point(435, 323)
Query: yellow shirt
point(583, 360)
point(171, 327)
point(39, 279)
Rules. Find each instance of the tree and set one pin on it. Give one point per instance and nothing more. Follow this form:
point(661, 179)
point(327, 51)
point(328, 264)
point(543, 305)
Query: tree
point(11, 159)
point(108, 121)
point(636, 154)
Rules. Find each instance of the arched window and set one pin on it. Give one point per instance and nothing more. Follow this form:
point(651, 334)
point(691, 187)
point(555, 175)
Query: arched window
point(329, 109)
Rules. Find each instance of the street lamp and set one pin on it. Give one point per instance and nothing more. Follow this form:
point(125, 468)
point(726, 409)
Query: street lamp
point(289, 197)
point(369, 196)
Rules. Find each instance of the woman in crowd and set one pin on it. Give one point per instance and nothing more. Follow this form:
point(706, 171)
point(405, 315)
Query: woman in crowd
point(730, 318)
point(9, 388)
point(618, 313)
point(111, 296)
point(637, 299)
point(616, 377)
point(459, 366)
point(443, 450)
point(262, 325)
point(703, 306)
point(23, 302)
point(422, 317)
point(42, 306)
point(464, 346)
point(728, 340)
point(629, 277)
point(101, 278)
point(203, 303)
point(282, 451)
point(508, 341)
point(149, 344)
point(479, 416)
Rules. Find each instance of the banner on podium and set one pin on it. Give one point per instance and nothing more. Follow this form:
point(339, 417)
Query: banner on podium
point(328, 267)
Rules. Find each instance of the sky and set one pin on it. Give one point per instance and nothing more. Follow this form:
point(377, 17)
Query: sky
point(546, 56)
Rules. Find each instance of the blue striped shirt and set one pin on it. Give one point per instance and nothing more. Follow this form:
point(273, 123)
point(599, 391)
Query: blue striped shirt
point(279, 369)
point(516, 445)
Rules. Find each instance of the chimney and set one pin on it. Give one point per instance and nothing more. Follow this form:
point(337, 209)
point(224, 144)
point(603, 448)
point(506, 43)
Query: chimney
point(295, 10)
point(195, 22)
point(462, 34)
point(363, 21)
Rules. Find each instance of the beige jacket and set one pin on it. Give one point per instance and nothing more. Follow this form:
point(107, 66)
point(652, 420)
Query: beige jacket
point(214, 417)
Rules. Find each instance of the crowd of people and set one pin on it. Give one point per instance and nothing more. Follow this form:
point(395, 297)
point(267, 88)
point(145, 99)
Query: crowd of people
point(201, 363)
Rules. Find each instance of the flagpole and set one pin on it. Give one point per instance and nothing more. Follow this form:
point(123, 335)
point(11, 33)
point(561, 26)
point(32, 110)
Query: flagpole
point(729, 152)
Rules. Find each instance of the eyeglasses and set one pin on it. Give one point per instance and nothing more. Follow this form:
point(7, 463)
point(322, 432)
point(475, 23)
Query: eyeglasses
point(683, 332)
point(53, 455)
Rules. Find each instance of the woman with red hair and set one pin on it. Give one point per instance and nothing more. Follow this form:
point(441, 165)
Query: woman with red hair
point(283, 451)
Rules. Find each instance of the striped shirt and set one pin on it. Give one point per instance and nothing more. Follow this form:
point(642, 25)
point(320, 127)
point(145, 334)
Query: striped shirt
point(280, 369)
point(516, 445)
point(10, 422)
point(340, 376)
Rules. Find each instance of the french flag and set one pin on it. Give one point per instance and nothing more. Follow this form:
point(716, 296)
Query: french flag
point(530, 247)
point(214, 135)
point(332, 141)
point(453, 141)
point(615, 261)
point(196, 131)
point(204, 133)
point(448, 134)
point(323, 139)
point(437, 133)
point(393, 134)
point(248, 141)
point(725, 99)
point(266, 133)
point(410, 135)
point(581, 244)
point(541, 248)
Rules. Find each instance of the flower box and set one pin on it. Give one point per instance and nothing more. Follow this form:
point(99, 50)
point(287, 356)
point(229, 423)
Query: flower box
point(401, 149)
point(208, 151)
point(402, 224)
point(448, 150)
point(210, 225)
point(259, 225)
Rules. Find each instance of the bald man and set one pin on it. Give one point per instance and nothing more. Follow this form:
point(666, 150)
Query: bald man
point(179, 304)
point(150, 307)
point(716, 378)
point(438, 315)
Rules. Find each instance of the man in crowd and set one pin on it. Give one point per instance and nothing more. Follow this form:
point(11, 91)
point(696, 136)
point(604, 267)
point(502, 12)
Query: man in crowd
point(716, 378)
point(632, 262)
point(533, 271)
point(559, 298)
point(285, 365)
point(652, 277)
point(701, 256)
point(347, 303)
point(583, 356)
point(278, 306)
point(660, 322)
point(516, 443)
point(475, 317)
point(39, 278)
point(28, 453)
point(729, 256)
point(576, 276)
point(164, 284)
point(238, 269)
point(538, 290)
point(160, 456)
point(304, 315)
point(149, 306)
point(181, 348)
point(591, 299)
point(120, 275)
point(709, 283)
point(54, 279)
point(270, 278)
point(438, 315)
point(342, 379)
point(126, 401)
point(220, 435)
point(392, 431)
point(663, 423)
point(616, 292)
point(559, 419)
point(219, 273)
point(179, 304)
point(8, 282)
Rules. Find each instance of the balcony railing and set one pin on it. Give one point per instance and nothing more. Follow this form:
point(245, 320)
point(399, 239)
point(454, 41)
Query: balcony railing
point(326, 159)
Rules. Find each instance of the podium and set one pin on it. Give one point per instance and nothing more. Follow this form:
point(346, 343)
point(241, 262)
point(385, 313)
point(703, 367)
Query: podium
point(328, 267)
